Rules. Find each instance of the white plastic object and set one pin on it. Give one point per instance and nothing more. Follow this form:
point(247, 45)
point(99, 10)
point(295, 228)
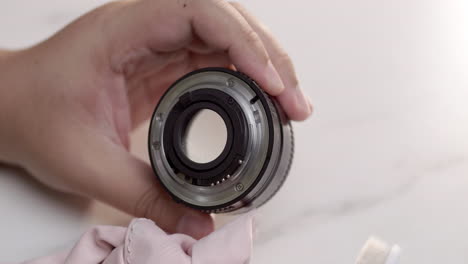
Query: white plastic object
point(376, 251)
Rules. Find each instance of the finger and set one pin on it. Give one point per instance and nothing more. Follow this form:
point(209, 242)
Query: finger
point(100, 169)
point(150, 82)
point(293, 100)
point(133, 188)
point(166, 26)
point(218, 24)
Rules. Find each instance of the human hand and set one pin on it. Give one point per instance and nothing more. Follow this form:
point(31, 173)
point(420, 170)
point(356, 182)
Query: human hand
point(73, 99)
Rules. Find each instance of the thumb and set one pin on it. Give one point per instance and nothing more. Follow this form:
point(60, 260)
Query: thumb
point(127, 183)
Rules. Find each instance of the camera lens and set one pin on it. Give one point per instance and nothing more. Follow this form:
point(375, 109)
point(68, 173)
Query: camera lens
point(218, 143)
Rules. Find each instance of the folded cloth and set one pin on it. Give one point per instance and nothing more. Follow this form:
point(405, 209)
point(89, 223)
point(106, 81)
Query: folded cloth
point(144, 242)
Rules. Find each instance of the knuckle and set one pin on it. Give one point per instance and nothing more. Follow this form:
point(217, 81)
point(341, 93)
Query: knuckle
point(251, 36)
point(284, 59)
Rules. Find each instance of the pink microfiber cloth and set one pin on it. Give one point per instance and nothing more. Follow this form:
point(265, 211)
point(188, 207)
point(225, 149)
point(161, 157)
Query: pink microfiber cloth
point(144, 242)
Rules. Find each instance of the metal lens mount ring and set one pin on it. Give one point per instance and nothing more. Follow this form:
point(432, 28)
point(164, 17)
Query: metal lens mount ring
point(258, 152)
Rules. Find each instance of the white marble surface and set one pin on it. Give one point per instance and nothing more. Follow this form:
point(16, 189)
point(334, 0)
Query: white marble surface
point(386, 152)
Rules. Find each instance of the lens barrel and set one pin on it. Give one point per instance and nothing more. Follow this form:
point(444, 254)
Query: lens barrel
point(255, 160)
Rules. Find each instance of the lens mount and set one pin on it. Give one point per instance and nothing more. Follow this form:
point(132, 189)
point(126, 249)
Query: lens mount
point(255, 160)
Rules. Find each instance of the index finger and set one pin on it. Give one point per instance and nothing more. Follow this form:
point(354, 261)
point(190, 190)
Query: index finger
point(218, 24)
point(293, 100)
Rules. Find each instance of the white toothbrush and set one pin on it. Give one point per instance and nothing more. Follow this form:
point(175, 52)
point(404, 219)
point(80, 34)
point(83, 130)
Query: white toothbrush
point(376, 251)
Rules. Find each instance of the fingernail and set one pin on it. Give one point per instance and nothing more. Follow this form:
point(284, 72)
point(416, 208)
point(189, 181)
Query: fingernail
point(275, 85)
point(195, 225)
point(303, 102)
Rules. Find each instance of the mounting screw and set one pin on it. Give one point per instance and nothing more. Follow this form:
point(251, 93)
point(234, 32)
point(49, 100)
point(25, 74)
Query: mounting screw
point(156, 145)
point(230, 83)
point(160, 117)
point(239, 187)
